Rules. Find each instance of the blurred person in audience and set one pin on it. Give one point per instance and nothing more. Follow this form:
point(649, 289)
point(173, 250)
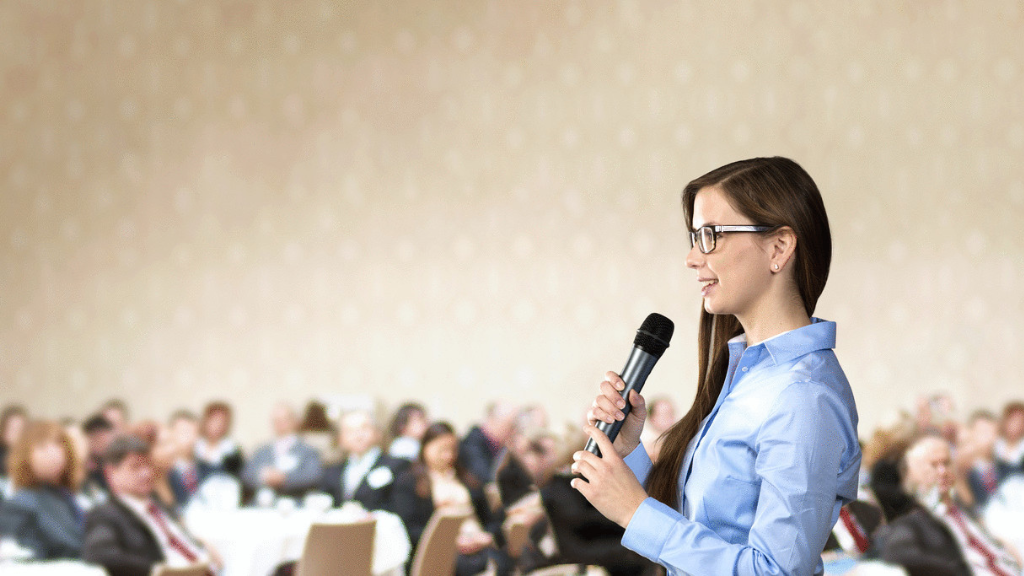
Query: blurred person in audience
point(98, 434)
point(1009, 447)
point(43, 514)
point(978, 474)
point(116, 412)
point(88, 495)
point(183, 476)
point(287, 466)
point(406, 430)
point(163, 451)
point(215, 451)
point(317, 430)
point(132, 532)
point(366, 474)
point(437, 481)
point(12, 423)
point(482, 447)
point(937, 537)
point(661, 415)
point(935, 415)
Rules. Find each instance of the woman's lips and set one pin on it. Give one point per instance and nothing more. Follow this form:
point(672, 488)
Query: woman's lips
point(708, 284)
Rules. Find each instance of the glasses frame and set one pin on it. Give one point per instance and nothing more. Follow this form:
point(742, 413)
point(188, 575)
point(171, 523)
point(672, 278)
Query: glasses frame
point(716, 230)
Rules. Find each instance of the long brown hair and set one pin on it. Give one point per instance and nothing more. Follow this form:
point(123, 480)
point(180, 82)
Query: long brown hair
point(38, 433)
point(770, 191)
point(419, 468)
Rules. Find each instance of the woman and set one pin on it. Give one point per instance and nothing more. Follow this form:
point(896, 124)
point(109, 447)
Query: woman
point(406, 431)
point(43, 515)
point(752, 478)
point(1009, 447)
point(215, 451)
point(12, 424)
point(437, 482)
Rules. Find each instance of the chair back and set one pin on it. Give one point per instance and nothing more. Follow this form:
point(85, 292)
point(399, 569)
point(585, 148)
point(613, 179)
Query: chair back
point(436, 552)
point(517, 533)
point(333, 549)
point(194, 570)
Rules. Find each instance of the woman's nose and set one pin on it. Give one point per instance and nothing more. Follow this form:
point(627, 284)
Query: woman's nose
point(694, 258)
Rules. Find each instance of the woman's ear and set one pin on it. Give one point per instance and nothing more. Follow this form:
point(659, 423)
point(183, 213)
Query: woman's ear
point(781, 246)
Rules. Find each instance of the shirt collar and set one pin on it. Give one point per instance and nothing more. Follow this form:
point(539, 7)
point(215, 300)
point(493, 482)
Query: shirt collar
point(818, 335)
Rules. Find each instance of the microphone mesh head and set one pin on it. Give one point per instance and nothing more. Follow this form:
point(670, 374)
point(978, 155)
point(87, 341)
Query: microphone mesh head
point(654, 335)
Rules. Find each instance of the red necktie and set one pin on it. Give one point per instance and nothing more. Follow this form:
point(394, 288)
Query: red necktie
point(990, 557)
point(853, 527)
point(191, 479)
point(179, 546)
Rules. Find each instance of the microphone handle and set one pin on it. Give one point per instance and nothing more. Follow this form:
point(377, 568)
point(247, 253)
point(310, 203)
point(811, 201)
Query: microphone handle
point(638, 367)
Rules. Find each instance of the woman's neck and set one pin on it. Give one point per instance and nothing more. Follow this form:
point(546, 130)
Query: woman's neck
point(774, 319)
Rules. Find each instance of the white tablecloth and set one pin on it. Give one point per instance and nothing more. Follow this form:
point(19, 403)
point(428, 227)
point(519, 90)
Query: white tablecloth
point(254, 541)
point(64, 568)
point(1004, 513)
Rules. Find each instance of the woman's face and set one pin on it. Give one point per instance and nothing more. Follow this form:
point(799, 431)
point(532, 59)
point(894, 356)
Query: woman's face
point(416, 426)
point(734, 276)
point(440, 453)
point(13, 428)
point(1013, 427)
point(216, 425)
point(48, 461)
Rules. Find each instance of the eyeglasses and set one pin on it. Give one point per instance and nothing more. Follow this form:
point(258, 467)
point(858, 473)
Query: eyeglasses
point(705, 236)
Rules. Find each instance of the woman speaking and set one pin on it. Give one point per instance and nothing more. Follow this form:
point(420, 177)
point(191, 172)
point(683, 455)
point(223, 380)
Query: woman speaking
point(751, 479)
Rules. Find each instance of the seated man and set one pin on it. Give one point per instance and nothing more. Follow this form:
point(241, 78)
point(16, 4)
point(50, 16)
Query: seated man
point(366, 474)
point(131, 532)
point(287, 466)
point(936, 537)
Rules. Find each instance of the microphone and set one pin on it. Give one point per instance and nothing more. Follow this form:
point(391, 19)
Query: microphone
point(650, 343)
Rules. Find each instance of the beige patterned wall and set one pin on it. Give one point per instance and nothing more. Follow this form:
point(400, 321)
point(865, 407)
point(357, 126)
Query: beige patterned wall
point(462, 201)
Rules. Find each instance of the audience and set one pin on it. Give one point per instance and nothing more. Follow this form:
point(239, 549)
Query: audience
point(116, 412)
point(406, 430)
point(12, 423)
point(183, 476)
point(928, 480)
point(937, 537)
point(131, 533)
point(1009, 447)
point(43, 515)
point(365, 474)
point(482, 447)
point(439, 482)
point(978, 474)
point(317, 430)
point(215, 451)
point(98, 434)
point(287, 466)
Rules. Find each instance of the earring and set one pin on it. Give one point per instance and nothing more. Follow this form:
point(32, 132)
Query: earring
point(776, 266)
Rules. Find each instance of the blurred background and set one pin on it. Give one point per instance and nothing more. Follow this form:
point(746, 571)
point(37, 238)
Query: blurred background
point(462, 202)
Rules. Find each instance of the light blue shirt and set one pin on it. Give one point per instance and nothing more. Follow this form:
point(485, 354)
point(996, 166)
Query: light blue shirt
point(762, 482)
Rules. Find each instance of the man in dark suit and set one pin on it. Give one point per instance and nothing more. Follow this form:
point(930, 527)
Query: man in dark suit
point(131, 532)
point(367, 474)
point(482, 447)
point(287, 466)
point(937, 537)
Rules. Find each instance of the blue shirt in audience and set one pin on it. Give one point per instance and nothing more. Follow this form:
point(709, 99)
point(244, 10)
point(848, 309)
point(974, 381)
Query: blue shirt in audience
point(763, 481)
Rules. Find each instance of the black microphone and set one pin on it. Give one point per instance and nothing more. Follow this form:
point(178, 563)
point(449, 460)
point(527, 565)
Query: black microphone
point(650, 343)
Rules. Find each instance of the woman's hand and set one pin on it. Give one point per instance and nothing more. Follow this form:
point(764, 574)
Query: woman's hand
point(474, 542)
point(610, 485)
point(607, 408)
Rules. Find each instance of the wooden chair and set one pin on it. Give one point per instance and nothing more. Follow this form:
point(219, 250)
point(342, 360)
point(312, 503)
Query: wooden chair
point(333, 549)
point(195, 570)
point(517, 534)
point(436, 552)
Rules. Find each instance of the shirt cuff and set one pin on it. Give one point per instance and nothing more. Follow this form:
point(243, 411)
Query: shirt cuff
point(639, 462)
point(649, 528)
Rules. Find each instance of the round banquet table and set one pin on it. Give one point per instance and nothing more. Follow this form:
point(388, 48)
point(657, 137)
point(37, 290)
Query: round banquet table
point(255, 541)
